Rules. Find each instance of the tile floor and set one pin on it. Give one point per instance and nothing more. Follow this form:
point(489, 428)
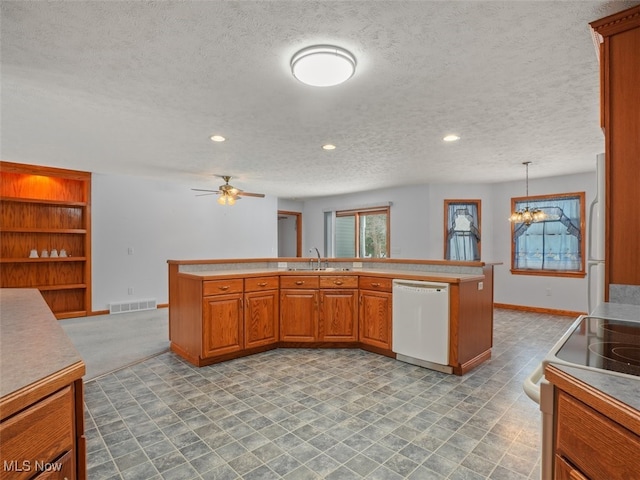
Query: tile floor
point(322, 414)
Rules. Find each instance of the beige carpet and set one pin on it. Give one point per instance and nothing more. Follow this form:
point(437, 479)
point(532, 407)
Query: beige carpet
point(111, 342)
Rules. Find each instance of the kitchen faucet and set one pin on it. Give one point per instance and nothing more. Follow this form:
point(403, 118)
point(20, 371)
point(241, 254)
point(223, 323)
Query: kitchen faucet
point(318, 253)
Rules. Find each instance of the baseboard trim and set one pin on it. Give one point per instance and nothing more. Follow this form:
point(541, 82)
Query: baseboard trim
point(549, 311)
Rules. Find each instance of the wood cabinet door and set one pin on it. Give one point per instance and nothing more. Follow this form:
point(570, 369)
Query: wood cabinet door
point(563, 470)
point(299, 315)
point(338, 315)
point(222, 324)
point(375, 318)
point(261, 318)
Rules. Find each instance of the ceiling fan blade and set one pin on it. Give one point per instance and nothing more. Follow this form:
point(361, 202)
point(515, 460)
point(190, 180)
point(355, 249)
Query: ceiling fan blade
point(204, 190)
point(205, 194)
point(249, 194)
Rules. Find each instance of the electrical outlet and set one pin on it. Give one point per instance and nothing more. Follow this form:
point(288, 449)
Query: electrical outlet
point(480, 285)
point(548, 292)
point(130, 250)
point(130, 290)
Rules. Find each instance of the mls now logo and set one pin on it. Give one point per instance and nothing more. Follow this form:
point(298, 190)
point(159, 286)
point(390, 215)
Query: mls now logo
point(29, 466)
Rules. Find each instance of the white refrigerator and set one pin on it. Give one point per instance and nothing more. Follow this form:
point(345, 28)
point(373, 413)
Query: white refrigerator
point(596, 240)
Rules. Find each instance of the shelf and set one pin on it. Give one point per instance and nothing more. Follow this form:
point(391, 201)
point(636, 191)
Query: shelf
point(48, 288)
point(62, 203)
point(79, 231)
point(42, 260)
point(46, 209)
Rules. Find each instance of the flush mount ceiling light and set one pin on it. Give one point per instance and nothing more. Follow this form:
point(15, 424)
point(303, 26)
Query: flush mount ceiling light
point(328, 146)
point(217, 138)
point(323, 65)
point(451, 138)
point(525, 215)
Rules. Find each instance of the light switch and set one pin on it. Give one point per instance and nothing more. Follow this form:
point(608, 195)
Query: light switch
point(480, 285)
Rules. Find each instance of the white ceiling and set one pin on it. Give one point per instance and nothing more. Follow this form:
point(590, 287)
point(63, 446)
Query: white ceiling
point(137, 88)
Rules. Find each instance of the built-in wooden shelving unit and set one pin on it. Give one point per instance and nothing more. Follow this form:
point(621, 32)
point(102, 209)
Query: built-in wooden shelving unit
point(44, 208)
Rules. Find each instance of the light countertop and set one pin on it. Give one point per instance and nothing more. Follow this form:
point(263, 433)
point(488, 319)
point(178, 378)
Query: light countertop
point(33, 346)
point(445, 277)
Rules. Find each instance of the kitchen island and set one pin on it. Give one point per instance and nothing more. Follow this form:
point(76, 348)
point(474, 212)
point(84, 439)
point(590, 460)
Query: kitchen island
point(41, 392)
point(224, 309)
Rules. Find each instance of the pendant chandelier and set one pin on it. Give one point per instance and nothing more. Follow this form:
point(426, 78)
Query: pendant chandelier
point(525, 215)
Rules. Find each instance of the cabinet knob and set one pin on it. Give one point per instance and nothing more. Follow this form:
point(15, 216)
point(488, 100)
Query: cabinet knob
point(262, 284)
point(224, 287)
point(300, 282)
point(375, 284)
point(338, 282)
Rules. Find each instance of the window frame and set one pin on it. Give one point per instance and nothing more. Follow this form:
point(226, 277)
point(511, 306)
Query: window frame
point(549, 198)
point(447, 221)
point(357, 213)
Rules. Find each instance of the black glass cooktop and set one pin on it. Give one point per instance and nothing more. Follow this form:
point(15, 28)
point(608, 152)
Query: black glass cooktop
point(612, 345)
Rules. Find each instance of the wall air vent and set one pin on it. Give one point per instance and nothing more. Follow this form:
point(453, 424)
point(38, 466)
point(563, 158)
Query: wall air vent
point(133, 306)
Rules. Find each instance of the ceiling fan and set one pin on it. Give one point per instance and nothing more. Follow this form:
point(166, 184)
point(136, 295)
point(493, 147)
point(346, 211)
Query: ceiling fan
point(228, 193)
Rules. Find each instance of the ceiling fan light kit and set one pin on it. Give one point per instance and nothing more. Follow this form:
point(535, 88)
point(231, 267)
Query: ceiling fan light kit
point(323, 65)
point(228, 193)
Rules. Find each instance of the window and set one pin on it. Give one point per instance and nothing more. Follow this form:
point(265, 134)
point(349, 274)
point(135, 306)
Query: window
point(554, 246)
point(361, 233)
point(462, 230)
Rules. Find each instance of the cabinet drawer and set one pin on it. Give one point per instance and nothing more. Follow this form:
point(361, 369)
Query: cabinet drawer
point(563, 470)
point(338, 281)
point(596, 445)
point(39, 434)
point(375, 283)
point(260, 283)
point(299, 281)
point(215, 287)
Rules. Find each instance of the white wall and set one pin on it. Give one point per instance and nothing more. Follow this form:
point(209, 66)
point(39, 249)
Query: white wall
point(566, 293)
point(162, 220)
point(409, 233)
point(417, 231)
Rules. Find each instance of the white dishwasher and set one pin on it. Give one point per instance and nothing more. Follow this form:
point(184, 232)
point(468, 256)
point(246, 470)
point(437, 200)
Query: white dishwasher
point(421, 324)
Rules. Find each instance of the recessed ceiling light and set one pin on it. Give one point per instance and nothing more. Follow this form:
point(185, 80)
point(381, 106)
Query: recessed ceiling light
point(328, 146)
point(323, 65)
point(451, 138)
point(217, 138)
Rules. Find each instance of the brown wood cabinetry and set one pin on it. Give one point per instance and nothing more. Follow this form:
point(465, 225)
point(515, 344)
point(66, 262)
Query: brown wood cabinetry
point(338, 309)
point(620, 97)
point(41, 396)
point(330, 309)
point(470, 323)
point(596, 436)
point(222, 317)
point(261, 314)
point(216, 320)
point(595, 445)
point(299, 308)
point(223, 326)
point(375, 312)
point(45, 209)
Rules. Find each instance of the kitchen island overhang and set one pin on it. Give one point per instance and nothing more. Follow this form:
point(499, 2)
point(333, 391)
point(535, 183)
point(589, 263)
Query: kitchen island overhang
point(220, 309)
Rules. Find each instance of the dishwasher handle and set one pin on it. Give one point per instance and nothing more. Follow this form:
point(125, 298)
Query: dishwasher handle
point(531, 384)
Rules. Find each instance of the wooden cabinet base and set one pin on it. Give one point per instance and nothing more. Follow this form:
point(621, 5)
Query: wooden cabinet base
point(203, 362)
point(471, 364)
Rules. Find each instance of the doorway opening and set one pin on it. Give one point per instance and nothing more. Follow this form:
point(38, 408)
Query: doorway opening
point(289, 234)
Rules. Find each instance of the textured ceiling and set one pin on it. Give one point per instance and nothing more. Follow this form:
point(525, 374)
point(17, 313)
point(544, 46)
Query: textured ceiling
point(138, 87)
